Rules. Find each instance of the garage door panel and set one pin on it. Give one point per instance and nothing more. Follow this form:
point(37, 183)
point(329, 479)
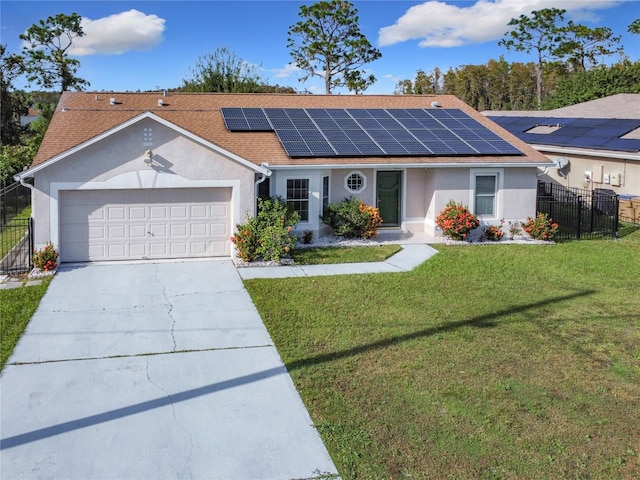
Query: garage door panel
point(219, 229)
point(115, 213)
point(154, 223)
point(138, 213)
point(117, 232)
point(219, 211)
point(137, 231)
point(158, 212)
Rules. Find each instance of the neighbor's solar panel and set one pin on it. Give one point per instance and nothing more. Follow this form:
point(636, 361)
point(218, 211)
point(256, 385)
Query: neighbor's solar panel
point(592, 133)
point(318, 132)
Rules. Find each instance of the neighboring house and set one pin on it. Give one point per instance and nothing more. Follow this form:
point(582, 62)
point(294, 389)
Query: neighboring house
point(31, 115)
point(594, 145)
point(147, 175)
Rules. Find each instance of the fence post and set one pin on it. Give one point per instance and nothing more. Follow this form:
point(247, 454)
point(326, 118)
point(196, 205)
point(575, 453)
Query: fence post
point(31, 243)
point(579, 225)
point(614, 234)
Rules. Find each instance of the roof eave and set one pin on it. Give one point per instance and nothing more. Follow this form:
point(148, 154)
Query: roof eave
point(32, 171)
point(587, 152)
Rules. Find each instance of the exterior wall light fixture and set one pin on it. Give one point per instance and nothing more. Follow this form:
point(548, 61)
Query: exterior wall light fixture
point(148, 157)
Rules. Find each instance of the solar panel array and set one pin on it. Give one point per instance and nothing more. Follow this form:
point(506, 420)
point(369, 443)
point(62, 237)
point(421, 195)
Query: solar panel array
point(366, 132)
point(592, 133)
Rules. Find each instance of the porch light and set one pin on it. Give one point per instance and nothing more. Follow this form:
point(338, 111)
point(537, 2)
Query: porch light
point(148, 157)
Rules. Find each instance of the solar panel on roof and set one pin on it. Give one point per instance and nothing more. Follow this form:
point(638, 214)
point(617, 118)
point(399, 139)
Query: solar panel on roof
point(371, 132)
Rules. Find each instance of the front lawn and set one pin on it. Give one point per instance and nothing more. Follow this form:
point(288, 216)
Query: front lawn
point(332, 255)
point(510, 361)
point(16, 308)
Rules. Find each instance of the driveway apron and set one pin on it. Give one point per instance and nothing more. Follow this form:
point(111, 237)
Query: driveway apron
point(152, 370)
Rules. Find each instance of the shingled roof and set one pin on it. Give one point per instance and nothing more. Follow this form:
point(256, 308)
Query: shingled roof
point(81, 117)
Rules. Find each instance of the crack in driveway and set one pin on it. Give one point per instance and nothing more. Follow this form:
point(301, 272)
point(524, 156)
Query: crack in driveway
point(169, 312)
point(173, 410)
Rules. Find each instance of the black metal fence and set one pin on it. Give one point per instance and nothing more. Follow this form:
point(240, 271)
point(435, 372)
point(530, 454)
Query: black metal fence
point(16, 246)
point(579, 213)
point(13, 200)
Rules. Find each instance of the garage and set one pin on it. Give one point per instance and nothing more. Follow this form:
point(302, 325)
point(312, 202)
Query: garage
point(99, 225)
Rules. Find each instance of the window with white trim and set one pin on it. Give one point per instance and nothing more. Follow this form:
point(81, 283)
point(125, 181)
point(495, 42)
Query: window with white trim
point(485, 195)
point(355, 182)
point(298, 196)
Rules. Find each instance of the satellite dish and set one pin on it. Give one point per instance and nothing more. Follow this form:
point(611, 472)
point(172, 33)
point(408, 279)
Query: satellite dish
point(561, 162)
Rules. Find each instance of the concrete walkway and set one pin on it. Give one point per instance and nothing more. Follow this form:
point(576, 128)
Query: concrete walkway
point(405, 260)
point(152, 371)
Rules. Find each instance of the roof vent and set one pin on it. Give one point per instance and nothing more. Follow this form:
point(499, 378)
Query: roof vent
point(160, 102)
point(435, 104)
point(112, 101)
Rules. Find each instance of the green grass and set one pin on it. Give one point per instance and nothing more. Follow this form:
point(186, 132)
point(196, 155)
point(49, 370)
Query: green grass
point(514, 362)
point(331, 255)
point(8, 235)
point(16, 308)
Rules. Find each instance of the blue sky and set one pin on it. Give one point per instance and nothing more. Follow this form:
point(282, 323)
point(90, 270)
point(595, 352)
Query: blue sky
point(147, 45)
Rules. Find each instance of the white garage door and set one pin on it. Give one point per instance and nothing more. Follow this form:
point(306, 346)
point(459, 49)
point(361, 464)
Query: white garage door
point(137, 224)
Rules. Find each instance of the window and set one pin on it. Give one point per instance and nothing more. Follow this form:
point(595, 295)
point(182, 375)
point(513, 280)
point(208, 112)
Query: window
point(485, 196)
point(298, 196)
point(264, 188)
point(325, 194)
point(355, 182)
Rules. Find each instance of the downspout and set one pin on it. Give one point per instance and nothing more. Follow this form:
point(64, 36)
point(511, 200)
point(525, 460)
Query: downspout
point(31, 217)
point(20, 178)
point(263, 177)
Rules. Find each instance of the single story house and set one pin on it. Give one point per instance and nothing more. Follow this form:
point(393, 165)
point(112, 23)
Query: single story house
point(594, 145)
point(123, 176)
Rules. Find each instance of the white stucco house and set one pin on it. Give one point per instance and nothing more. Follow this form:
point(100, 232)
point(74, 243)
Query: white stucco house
point(123, 176)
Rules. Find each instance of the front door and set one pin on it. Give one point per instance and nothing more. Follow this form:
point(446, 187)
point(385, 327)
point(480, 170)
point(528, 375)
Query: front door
point(388, 196)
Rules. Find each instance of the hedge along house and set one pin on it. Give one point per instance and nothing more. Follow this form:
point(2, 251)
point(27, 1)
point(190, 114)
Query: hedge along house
point(123, 176)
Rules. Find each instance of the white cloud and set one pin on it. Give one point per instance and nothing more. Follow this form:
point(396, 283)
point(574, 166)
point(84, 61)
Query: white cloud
point(289, 70)
point(439, 24)
point(119, 33)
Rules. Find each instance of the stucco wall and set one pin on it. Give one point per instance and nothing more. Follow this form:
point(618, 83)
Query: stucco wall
point(573, 174)
point(117, 162)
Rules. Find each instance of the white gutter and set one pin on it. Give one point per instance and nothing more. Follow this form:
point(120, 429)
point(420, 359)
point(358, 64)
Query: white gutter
point(588, 153)
point(397, 166)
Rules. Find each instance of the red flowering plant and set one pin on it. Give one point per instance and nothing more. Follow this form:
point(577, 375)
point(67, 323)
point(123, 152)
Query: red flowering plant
point(246, 240)
point(494, 233)
point(45, 259)
point(542, 227)
point(456, 221)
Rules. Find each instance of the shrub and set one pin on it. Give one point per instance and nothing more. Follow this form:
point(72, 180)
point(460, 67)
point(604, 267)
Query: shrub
point(541, 228)
point(46, 258)
point(268, 235)
point(494, 233)
point(456, 221)
point(352, 218)
point(307, 237)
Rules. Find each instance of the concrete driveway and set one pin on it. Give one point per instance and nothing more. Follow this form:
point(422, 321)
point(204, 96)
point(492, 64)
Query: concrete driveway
point(152, 370)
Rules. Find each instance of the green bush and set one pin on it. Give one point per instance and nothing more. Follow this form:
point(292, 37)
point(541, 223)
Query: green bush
point(268, 235)
point(352, 218)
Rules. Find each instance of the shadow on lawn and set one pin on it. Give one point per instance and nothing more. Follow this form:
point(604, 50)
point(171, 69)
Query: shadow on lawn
point(482, 321)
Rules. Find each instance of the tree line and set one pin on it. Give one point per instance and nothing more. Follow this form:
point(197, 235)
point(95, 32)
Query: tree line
point(567, 68)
